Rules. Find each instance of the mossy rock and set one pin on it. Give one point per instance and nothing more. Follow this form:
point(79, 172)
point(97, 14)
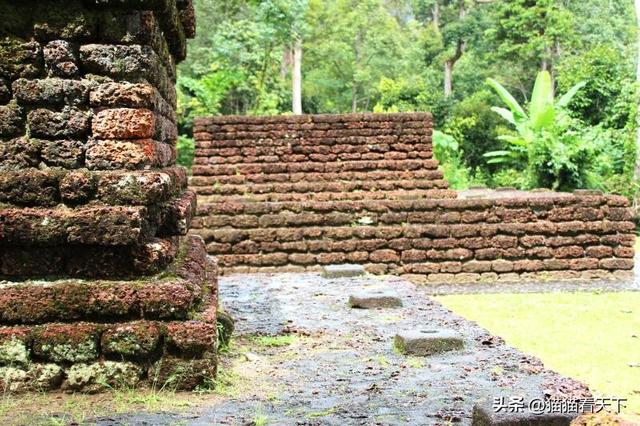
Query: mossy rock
point(226, 325)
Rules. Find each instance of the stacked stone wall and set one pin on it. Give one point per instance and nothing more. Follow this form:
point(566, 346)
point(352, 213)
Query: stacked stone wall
point(296, 193)
point(102, 284)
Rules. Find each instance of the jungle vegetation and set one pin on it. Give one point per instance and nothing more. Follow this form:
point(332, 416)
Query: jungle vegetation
point(526, 93)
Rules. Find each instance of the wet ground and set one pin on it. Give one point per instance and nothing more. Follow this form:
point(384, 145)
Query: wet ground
point(301, 356)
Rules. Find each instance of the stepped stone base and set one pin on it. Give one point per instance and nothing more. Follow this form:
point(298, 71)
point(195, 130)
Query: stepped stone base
point(296, 193)
point(81, 335)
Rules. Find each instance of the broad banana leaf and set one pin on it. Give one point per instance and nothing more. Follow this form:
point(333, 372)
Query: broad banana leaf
point(506, 97)
point(505, 113)
point(568, 97)
point(541, 108)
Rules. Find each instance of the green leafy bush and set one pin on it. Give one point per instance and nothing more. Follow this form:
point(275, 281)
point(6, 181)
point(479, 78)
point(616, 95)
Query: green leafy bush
point(549, 146)
point(447, 151)
point(185, 150)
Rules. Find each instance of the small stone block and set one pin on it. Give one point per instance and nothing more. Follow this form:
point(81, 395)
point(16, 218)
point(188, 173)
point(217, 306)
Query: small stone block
point(342, 271)
point(427, 342)
point(375, 299)
point(485, 415)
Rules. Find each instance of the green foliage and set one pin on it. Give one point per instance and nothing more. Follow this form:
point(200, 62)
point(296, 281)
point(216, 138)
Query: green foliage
point(389, 55)
point(548, 144)
point(185, 150)
point(447, 151)
point(608, 79)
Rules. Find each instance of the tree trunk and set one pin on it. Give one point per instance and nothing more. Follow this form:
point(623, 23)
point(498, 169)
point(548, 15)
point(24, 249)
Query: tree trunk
point(354, 98)
point(436, 14)
point(448, 78)
point(287, 60)
point(297, 77)
point(637, 169)
point(451, 62)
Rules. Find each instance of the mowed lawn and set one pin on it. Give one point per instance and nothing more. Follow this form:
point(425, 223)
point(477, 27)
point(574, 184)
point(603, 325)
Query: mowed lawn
point(593, 337)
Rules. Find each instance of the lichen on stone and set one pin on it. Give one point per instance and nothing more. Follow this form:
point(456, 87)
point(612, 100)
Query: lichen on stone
point(76, 352)
point(44, 376)
point(12, 379)
point(14, 351)
point(101, 375)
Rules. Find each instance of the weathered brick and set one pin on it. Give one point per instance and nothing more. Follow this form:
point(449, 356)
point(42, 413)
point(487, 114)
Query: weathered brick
point(583, 264)
point(569, 252)
point(414, 255)
point(61, 59)
point(63, 153)
point(556, 264)
point(528, 265)
point(20, 58)
point(120, 61)
point(476, 266)
point(384, 256)
point(625, 252)
point(131, 340)
point(451, 267)
point(501, 266)
point(124, 123)
point(11, 121)
point(302, 258)
point(51, 91)
point(599, 252)
point(69, 123)
point(613, 264)
point(128, 154)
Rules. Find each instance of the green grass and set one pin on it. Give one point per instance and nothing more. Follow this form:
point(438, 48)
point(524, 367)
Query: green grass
point(593, 337)
point(275, 341)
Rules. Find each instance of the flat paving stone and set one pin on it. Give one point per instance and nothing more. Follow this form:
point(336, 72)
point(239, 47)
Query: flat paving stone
point(485, 414)
point(346, 270)
point(373, 299)
point(427, 342)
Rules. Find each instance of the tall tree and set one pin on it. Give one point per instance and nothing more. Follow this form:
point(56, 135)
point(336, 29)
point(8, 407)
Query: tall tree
point(533, 34)
point(455, 24)
point(352, 46)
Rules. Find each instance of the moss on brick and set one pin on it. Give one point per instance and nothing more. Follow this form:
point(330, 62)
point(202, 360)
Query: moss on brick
point(67, 342)
point(131, 340)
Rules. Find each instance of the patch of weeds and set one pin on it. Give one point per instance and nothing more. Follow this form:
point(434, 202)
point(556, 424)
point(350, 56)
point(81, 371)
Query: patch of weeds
point(382, 360)
point(259, 419)
point(317, 414)
point(56, 421)
point(226, 383)
point(391, 318)
point(414, 362)
point(275, 341)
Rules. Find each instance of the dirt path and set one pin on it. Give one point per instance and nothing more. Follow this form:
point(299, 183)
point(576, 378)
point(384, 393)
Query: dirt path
point(322, 363)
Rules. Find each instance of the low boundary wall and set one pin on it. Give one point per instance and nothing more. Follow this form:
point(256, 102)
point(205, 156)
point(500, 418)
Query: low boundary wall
point(286, 213)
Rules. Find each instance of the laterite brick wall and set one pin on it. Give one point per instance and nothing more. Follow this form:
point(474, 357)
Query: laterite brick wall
point(295, 193)
point(89, 190)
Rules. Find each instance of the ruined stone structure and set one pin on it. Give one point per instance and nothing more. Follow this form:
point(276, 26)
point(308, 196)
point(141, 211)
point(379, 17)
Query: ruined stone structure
point(102, 287)
point(289, 193)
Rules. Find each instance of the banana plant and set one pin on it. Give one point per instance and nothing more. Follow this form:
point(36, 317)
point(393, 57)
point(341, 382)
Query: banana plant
point(544, 114)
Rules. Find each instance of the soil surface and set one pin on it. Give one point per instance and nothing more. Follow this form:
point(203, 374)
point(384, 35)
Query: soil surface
point(301, 356)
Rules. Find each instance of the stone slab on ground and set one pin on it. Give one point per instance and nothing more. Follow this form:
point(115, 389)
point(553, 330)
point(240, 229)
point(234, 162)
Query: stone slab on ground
point(484, 414)
point(342, 271)
point(338, 366)
point(373, 299)
point(427, 342)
